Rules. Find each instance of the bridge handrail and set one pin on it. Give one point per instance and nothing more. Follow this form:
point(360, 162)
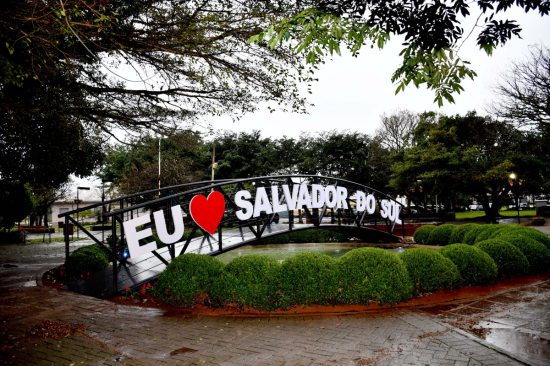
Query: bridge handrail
point(241, 180)
point(132, 195)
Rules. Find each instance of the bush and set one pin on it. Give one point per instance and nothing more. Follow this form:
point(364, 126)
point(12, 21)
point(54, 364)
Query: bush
point(509, 259)
point(536, 253)
point(440, 235)
point(472, 233)
point(422, 234)
point(527, 232)
point(11, 237)
point(475, 266)
point(309, 278)
point(187, 279)
point(457, 236)
point(429, 270)
point(487, 232)
point(91, 258)
point(250, 280)
point(538, 221)
point(373, 274)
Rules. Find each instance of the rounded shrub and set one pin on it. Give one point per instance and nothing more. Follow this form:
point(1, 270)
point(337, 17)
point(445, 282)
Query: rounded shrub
point(84, 260)
point(250, 280)
point(457, 235)
point(536, 253)
point(487, 232)
point(527, 232)
point(509, 259)
point(187, 279)
point(475, 266)
point(440, 235)
point(373, 274)
point(429, 270)
point(309, 278)
point(422, 234)
point(472, 233)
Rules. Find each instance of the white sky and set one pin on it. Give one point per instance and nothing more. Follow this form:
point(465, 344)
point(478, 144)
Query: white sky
point(352, 93)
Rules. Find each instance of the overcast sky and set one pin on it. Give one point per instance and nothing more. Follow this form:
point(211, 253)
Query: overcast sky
point(352, 93)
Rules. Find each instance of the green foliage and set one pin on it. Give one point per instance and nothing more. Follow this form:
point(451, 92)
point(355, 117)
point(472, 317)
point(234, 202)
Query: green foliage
point(250, 280)
point(15, 203)
point(509, 259)
point(309, 278)
point(475, 266)
point(307, 236)
point(429, 270)
point(90, 259)
point(11, 237)
point(533, 234)
point(487, 232)
point(457, 236)
point(440, 235)
point(373, 274)
point(422, 234)
point(536, 253)
point(187, 278)
point(472, 233)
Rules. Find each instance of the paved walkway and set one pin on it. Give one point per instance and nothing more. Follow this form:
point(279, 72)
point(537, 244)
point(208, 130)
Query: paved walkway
point(45, 326)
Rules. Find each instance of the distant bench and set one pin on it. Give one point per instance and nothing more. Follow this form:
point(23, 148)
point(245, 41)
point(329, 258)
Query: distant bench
point(36, 229)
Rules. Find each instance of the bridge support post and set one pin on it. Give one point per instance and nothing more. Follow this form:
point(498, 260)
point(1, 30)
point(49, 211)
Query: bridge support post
point(66, 237)
point(114, 254)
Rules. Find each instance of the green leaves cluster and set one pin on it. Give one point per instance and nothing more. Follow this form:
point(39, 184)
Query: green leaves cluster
point(432, 30)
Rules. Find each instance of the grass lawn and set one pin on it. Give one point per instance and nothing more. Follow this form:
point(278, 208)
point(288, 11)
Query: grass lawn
point(479, 214)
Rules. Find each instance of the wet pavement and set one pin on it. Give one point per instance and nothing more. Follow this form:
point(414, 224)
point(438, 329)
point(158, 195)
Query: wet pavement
point(45, 326)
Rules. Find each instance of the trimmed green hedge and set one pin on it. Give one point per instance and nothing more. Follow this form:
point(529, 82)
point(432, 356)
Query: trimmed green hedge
point(250, 280)
point(475, 266)
point(509, 259)
point(373, 274)
point(440, 235)
point(429, 270)
point(457, 235)
point(471, 234)
point(422, 234)
point(309, 278)
point(535, 252)
point(527, 232)
point(88, 259)
point(487, 232)
point(187, 278)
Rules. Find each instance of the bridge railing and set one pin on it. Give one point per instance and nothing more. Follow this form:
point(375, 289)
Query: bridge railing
point(231, 232)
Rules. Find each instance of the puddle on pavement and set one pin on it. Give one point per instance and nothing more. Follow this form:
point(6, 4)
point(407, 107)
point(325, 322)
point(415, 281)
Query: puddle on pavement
point(182, 350)
point(530, 346)
point(30, 284)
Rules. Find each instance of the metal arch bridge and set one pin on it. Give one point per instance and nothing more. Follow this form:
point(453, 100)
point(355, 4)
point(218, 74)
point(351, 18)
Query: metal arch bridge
point(232, 232)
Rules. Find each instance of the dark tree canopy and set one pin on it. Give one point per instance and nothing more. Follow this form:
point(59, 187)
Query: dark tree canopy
point(472, 156)
point(189, 57)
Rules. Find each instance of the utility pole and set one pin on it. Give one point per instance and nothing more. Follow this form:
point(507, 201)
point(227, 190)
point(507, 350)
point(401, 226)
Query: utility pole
point(159, 164)
point(214, 164)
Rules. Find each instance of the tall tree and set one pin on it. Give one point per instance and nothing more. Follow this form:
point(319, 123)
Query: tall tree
point(524, 92)
point(134, 168)
point(469, 155)
point(396, 130)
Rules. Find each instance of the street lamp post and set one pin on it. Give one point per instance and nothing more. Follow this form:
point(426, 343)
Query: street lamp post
point(77, 202)
point(514, 183)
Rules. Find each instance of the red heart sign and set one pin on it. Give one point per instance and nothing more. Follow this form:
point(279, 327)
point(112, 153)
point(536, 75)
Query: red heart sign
point(207, 212)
